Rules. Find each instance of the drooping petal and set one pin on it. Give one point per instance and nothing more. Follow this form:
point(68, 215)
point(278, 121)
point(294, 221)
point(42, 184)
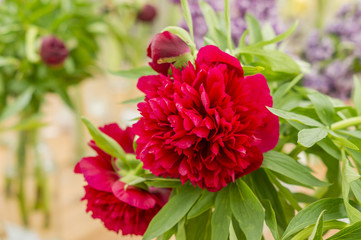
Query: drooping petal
point(133, 196)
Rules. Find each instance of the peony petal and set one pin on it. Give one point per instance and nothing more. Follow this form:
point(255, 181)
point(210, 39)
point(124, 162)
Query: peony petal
point(98, 172)
point(125, 137)
point(212, 54)
point(133, 196)
point(268, 133)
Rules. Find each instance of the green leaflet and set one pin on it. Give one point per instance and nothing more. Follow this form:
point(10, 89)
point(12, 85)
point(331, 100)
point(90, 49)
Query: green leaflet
point(247, 209)
point(135, 73)
point(309, 215)
point(176, 208)
point(222, 215)
point(308, 137)
point(287, 166)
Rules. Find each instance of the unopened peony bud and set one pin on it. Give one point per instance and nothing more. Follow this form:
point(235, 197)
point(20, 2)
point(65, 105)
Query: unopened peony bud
point(165, 49)
point(147, 13)
point(53, 52)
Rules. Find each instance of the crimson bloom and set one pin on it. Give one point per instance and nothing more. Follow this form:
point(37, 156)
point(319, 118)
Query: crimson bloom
point(53, 51)
point(165, 45)
point(207, 123)
point(128, 210)
point(147, 13)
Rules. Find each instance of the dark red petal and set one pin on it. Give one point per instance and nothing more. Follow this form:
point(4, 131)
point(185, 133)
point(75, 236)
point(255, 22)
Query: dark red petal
point(98, 173)
point(133, 196)
point(268, 133)
point(125, 137)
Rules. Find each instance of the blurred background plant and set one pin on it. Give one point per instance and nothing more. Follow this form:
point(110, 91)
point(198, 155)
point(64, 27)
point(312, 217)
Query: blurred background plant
point(50, 47)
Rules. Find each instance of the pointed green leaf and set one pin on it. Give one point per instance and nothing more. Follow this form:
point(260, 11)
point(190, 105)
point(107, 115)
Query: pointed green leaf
point(254, 29)
point(176, 208)
point(103, 141)
point(247, 209)
point(135, 73)
point(309, 215)
point(271, 219)
point(295, 117)
point(356, 95)
point(205, 202)
point(324, 107)
point(287, 166)
point(352, 232)
point(222, 215)
point(18, 105)
point(318, 229)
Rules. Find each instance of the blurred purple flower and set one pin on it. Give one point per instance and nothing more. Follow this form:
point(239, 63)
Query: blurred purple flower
point(264, 11)
point(319, 49)
point(333, 76)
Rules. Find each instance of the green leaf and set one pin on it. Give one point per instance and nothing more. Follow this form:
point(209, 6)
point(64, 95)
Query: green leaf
point(18, 105)
point(356, 189)
point(222, 215)
point(164, 182)
point(254, 29)
point(328, 146)
point(276, 39)
point(249, 70)
point(323, 106)
point(199, 227)
point(278, 61)
point(204, 203)
point(171, 213)
point(356, 95)
point(188, 17)
point(327, 225)
point(211, 19)
point(295, 117)
point(308, 137)
point(104, 142)
point(135, 73)
point(181, 231)
point(134, 100)
point(352, 232)
point(342, 140)
point(247, 210)
point(309, 215)
point(318, 229)
point(271, 219)
point(285, 88)
point(287, 166)
point(349, 175)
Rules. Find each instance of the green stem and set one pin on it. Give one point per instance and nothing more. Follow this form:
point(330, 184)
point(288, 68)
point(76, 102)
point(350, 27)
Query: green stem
point(79, 110)
point(227, 15)
point(138, 169)
point(21, 172)
point(346, 123)
point(298, 149)
point(42, 188)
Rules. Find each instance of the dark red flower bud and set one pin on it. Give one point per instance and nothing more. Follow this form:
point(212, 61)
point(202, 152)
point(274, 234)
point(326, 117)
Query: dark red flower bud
point(165, 45)
point(147, 13)
point(53, 51)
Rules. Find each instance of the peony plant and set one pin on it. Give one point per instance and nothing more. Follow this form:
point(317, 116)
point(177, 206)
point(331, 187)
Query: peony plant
point(231, 132)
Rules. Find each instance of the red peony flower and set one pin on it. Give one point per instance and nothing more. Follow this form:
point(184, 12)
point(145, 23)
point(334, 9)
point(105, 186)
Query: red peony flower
point(165, 45)
point(128, 210)
point(53, 52)
point(207, 123)
point(147, 13)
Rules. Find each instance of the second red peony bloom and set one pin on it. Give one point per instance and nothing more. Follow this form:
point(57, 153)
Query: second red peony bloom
point(207, 123)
